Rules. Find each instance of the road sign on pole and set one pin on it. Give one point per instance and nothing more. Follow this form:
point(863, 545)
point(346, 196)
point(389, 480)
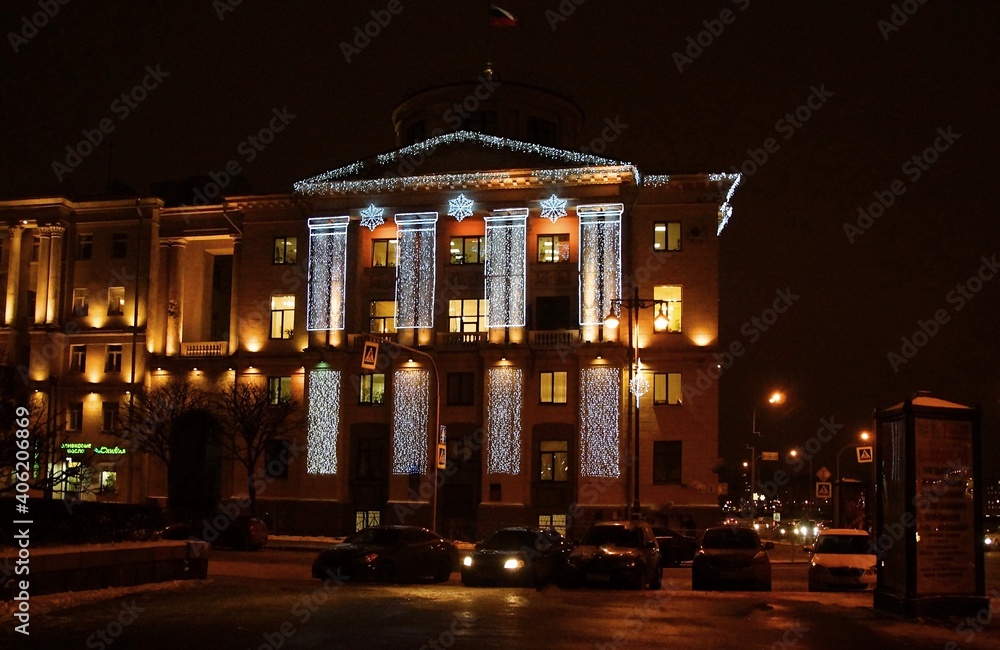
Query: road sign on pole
point(864, 454)
point(823, 474)
point(370, 355)
point(824, 490)
point(769, 455)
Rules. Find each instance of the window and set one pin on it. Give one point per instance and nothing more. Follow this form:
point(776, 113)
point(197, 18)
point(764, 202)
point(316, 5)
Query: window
point(461, 388)
point(36, 243)
point(81, 302)
point(555, 521)
point(116, 301)
point(284, 250)
point(383, 252)
point(110, 412)
point(282, 317)
point(279, 389)
point(84, 246)
point(78, 358)
point(667, 235)
point(119, 245)
point(553, 248)
point(667, 462)
point(467, 315)
point(382, 316)
point(666, 388)
point(466, 250)
point(277, 456)
point(553, 388)
point(372, 389)
point(109, 481)
point(668, 303)
point(366, 518)
point(74, 416)
point(113, 362)
point(554, 460)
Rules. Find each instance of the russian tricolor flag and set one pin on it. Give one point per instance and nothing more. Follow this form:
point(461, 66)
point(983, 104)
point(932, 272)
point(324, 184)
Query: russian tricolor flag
point(502, 18)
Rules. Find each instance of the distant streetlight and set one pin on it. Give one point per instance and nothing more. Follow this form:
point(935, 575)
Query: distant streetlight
point(864, 436)
point(776, 397)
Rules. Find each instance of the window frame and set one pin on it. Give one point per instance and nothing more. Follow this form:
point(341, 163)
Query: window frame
point(557, 239)
point(388, 323)
point(464, 239)
point(78, 357)
point(552, 385)
point(665, 378)
point(366, 384)
point(662, 306)
point(84, 246)
point(391, 252)
point(81, 301)
point(109, 409)
point(74, 416)
point(666, 236)
point(116, 306)
point(119, 245)
point(113, 358)
point(279, 388)
point(555, 454)
point(461, 389)
point(663, 452)
point(281, 255)
point(462, 320)
point(284, 333)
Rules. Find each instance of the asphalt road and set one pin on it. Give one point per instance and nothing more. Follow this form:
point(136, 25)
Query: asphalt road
point(267, 600)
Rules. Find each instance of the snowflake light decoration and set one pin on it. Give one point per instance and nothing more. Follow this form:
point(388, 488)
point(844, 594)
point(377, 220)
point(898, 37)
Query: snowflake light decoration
point(460, 207)
point(639, 385)
point(371, 217)
point(553, 208)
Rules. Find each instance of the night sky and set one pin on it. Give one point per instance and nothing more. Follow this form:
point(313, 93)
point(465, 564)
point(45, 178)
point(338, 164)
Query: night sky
point(849, 93)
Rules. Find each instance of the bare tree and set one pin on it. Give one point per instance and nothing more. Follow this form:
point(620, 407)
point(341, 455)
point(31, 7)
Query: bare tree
point(252, 419)
point(146, 423)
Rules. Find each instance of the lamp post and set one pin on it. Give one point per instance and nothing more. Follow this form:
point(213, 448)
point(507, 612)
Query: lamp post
point(865, 437)
point(776, 397)
point(794, 454)
point(636, 384)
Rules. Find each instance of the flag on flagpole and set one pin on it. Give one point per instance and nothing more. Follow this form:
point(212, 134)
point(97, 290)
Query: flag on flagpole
point(502, 18)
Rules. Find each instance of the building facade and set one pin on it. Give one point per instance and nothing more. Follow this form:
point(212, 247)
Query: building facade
point(485, 267)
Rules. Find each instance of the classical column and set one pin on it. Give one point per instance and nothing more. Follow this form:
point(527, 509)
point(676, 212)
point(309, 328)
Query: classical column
point(14, 234)
point(53, 300)
point(175, 296)
point(234, 296)
point(42, 275)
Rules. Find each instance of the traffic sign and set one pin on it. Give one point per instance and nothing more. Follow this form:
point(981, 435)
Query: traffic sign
point(370, 355)
point(769, 455)
point(824, 490)
point(823, 474)
point(442, 456)
point(865, 454)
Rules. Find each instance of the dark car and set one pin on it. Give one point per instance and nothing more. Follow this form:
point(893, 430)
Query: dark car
point(731, 556)
point(517, 556)
point(245, 533)
point(674, 547)
point(616, 552)
point(388, 554)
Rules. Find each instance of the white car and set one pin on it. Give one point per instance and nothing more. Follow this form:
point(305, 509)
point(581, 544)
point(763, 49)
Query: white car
point(842, 558)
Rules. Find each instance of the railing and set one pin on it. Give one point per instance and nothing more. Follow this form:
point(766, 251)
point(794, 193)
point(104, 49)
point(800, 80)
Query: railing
point(554, 338)
point(461, 339)
point(205, 349)
point(357, 341)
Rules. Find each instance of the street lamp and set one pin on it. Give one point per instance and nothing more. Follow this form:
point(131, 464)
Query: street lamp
point(864, 436)
point(637, 385)
point(776, 397)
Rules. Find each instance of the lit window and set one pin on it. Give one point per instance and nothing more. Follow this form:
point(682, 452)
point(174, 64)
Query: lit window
point(109, 481)
point(554, 461)
point(554, 521)
point(553, 388)
point(667, 462)
point(110, 412)
point(372, 389)
point(84, 246)
point(382, 317)
point(74, 416)
point(279, 389)
point(119, 245)
point(81, 302)
point(668, 303)
point(553, 248)
point(667, 388)
point(113, 362)
point(78, 358)
point(383, 252)
point(667, 235)
point(467, 315)
point(282, 317)
point(284, 250)
point(466, 250)
point(365, 518)
point(116, 301)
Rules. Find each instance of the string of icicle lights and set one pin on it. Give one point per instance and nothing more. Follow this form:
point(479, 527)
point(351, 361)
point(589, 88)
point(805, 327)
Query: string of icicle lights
point(600, 395)
point(327, 273)
point(415, 269)
point(503, 420)
point(324, 421)
point(411, 408)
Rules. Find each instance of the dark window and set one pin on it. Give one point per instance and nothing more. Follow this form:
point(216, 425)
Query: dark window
point(119, 245)
point(461, 388)
point(555, 313)
point(667, 462)
point(279, 389)
point(113, 363)
point(74, 416)
point(110, 411)
point(81, 302)
point(36, 243)
point(84, 246)
point(466, 250)
point(372, 389)
point(116, 301)
point(78, 358)
point(284, 250)
point(542, 131)
point(667, 235)
point(277, 458)
point(553, 249)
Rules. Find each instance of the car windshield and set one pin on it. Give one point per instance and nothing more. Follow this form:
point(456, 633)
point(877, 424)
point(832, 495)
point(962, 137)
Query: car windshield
point(511, 540)
point(613, 536)
point(737, 538)
point(843, 544)
point(376, 537)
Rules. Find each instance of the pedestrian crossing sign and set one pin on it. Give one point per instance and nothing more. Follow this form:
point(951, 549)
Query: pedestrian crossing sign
point(864, 454)
point(370, 355)
point(824, 490)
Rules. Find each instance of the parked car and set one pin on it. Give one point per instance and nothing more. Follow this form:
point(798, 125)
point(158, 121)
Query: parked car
point(731, 556)
point(517, 556)
point(616, 552)
point(388, 554)
point(245, 533)
point(842, 558)
point(674, 547)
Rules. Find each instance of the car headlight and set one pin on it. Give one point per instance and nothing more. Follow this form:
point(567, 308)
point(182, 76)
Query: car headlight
point(988, 541)
point(371, 557)
point(513, 563)
point(467, 561)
